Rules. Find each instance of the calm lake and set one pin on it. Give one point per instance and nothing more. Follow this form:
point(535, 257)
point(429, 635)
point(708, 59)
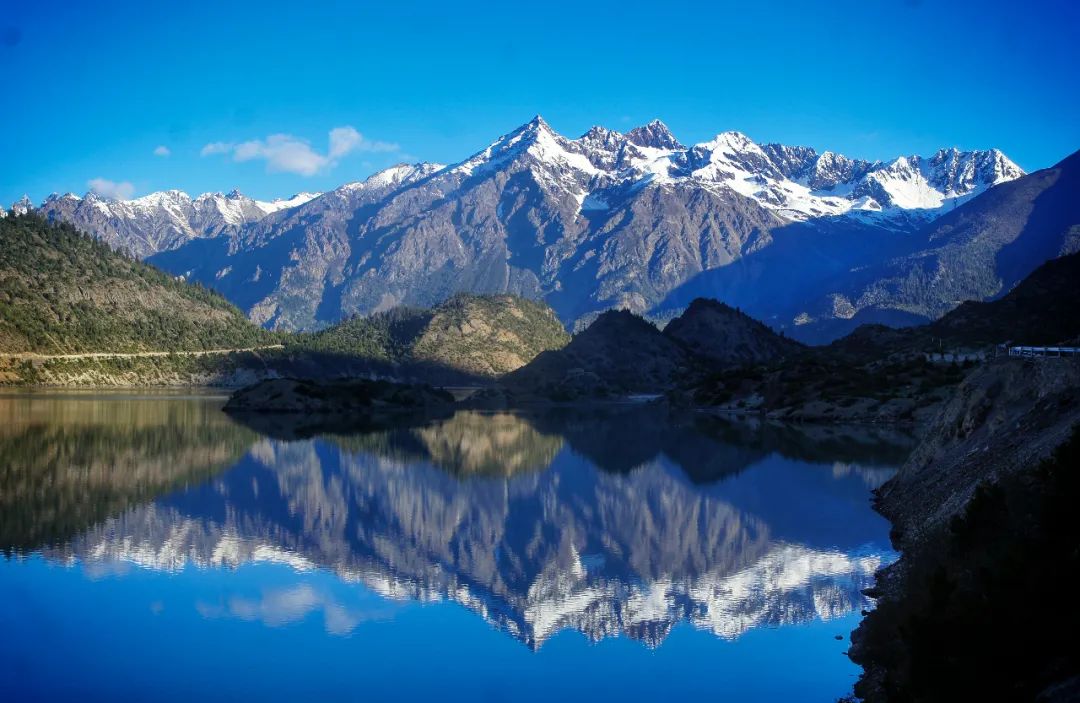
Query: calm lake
point(156, 549)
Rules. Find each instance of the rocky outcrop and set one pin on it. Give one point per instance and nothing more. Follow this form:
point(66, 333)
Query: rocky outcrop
point(479, 336)
point(488, 336)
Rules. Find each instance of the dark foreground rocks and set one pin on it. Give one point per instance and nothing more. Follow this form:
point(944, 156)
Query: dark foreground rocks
point(355, 396)
point(982, 603)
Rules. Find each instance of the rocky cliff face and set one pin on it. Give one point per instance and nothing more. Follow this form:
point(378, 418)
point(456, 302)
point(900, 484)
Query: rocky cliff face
point(1002, 419)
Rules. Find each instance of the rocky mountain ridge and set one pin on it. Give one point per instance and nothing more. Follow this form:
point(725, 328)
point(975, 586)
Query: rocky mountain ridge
point(160, 221)
point(605, 220)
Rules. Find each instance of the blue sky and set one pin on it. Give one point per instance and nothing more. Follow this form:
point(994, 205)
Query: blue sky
point(92, 90)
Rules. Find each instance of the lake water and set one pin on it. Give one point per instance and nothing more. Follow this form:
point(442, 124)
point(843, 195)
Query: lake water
point(158, 550)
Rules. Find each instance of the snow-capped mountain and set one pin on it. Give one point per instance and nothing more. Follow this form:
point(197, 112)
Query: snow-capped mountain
point(609, 219)
point(797, 182)
point(164, 220)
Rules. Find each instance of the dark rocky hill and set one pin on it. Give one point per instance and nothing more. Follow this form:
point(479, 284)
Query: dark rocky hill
point(726, 336)
point(618, 353)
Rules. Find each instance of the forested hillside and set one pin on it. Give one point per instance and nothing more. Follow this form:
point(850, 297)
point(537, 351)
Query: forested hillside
point(64, 292)
point(483, 335)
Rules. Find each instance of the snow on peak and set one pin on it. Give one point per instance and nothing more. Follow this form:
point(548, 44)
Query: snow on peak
point(22, 206)
point(534, 138)
point(733, 141)
point(400, 174)
point(655, 135)
point(285, 203)
point(796, 182)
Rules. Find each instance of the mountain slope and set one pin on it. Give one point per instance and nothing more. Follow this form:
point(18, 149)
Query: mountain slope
point(1040, 310)
point(605, 220)
point(618, 353)
point(726, 336)
point(489, 335)
point(608, 220)
point(62, 291)
point(484, 336)
point(978, 251)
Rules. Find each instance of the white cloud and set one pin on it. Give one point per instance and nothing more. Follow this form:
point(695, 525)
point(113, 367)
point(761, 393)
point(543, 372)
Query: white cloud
point(216, 148)
point(343, 140)
point(121, 190)
point(289, 154)
point(162, 151)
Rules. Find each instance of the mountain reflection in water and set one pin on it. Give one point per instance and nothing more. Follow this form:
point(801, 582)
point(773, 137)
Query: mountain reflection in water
point(626, 521)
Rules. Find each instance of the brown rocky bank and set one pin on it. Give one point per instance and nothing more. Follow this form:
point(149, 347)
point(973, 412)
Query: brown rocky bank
point(976, 512)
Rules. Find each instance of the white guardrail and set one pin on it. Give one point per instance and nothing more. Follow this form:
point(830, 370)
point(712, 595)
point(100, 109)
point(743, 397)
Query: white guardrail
point(1044, 351)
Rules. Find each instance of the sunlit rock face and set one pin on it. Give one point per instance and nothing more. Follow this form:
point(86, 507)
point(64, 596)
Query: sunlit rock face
point(540, 523)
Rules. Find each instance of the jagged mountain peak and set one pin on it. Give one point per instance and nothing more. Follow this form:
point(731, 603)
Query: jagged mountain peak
point(537, 140)
point(655, 135)
point(400, 174)
point(538, 122)
point(734, 140)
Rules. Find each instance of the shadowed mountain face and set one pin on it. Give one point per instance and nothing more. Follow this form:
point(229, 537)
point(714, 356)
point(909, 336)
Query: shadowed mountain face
point(977, 252)
point(622, 523)
point(726, 337)
point(619, 352)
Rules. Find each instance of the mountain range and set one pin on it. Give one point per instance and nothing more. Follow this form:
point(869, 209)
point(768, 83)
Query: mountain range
point(160, 221)
point(809, 242)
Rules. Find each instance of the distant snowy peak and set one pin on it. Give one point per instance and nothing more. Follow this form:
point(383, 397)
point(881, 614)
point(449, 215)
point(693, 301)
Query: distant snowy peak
point(285, 203)
point(163, 220)
point(398, 175)
point(796, 182)
point(655, 135)
point(232, 203)
point(22, 205)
